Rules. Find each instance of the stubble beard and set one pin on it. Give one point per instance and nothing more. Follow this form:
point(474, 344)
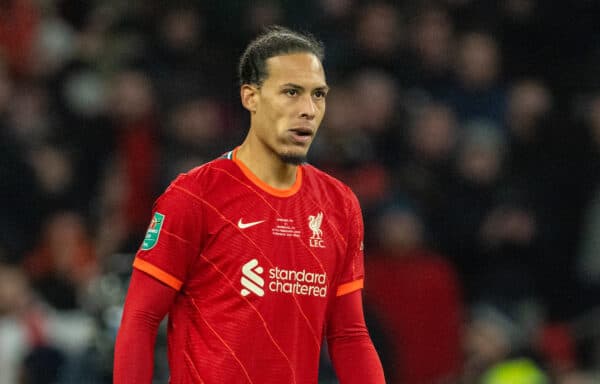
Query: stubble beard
point(292, 159)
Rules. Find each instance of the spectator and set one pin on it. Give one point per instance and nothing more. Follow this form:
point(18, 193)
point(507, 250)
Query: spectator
point(18, 323)
point(19, 191)
point(477, 175)
point(195, 134)
point(424, 173)
point(131, 186)
point(415, 294)
point(478, 92)
point(432, 41)
point(380, 42)
point(19, 21)
point(102, 100)
point(63, 263)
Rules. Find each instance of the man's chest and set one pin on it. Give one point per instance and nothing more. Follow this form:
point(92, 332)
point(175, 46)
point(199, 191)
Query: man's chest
point(272, 247)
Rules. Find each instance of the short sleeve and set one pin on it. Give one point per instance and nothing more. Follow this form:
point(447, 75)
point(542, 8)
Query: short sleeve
point(174, 237)
point(352, 275)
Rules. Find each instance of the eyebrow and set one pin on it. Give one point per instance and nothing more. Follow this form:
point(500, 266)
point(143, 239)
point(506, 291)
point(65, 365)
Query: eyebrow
point(301, 88)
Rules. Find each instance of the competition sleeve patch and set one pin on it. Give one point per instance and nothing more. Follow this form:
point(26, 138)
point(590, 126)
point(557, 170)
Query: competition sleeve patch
point(153, 231)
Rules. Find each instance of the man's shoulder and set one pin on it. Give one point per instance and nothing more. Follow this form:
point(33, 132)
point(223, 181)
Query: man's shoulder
point(203, 175)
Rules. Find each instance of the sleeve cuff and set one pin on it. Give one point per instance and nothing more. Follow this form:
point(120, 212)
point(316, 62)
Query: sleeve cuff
point(352, 286)
point(157, 273)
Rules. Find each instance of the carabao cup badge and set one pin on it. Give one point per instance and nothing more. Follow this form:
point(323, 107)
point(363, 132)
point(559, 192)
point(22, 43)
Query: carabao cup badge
point(153, 231)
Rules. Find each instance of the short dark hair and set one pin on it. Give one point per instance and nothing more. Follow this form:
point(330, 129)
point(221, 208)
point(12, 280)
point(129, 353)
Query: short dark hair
point(275, 41)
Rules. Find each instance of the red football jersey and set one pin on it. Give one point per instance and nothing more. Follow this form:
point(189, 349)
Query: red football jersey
point(256, 269)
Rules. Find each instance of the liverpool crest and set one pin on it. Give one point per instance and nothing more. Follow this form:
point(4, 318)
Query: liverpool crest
point(314, 223)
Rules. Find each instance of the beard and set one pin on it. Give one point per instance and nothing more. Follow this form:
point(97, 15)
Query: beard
point(293, 159)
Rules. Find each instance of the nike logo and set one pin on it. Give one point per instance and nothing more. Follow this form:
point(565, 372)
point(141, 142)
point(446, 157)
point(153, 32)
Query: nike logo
point(242, 225)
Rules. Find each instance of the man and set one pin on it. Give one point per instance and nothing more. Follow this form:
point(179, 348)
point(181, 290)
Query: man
point(255, 255)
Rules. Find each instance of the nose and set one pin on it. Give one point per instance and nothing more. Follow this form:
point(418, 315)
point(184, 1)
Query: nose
point(308, 109)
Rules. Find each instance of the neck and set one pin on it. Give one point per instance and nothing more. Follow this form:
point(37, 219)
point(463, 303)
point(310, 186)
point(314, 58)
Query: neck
point(267, 165)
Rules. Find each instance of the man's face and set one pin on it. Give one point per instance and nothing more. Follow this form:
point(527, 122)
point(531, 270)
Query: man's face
point(290, 104)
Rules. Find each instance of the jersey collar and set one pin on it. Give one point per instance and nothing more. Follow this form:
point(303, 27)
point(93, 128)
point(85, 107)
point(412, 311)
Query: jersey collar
point(261, 184)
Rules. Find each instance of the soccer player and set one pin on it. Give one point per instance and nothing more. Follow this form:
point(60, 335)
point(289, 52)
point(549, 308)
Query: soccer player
point(256, 255)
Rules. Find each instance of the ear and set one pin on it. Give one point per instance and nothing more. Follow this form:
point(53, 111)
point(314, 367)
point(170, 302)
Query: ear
point(249, 96)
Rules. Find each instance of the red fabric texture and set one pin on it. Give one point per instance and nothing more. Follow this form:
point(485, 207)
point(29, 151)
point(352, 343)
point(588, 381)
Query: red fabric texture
point(350, 348)
point(416, 296)
point(269, 286)
point(147, 303)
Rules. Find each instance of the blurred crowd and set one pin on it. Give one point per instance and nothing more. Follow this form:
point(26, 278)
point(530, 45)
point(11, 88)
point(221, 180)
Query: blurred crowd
point(470, 131)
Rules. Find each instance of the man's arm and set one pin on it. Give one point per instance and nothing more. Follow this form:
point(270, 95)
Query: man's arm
point(147, 303)
point(354, 358)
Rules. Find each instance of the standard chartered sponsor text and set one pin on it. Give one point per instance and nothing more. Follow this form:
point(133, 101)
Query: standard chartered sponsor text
point(298, 282)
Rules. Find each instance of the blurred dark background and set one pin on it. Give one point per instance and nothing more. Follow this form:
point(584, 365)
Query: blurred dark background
point(470, 131)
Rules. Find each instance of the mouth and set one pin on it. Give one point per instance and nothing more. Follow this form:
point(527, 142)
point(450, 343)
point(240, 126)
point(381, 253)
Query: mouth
point(301, 135)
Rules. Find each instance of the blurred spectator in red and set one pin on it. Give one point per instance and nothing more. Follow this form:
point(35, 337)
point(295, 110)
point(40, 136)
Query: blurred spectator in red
point(557, 346)
point(19, 20)
point(416, 297)
point(131, 184)
point(64, 261)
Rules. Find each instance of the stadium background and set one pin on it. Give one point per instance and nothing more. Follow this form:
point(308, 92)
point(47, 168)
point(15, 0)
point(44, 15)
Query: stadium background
point(470, 131)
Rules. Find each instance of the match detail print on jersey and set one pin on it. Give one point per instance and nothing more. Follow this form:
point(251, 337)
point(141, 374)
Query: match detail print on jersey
point(153, 231)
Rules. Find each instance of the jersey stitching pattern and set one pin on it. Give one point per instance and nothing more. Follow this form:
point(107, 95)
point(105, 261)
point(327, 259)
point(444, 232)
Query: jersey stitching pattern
point(192, 366)
point(270, 262)
point(270, 206)
point(265, 326)
point(206, 203)
point(221, 339)
point(308, 324)
point(181, 239)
